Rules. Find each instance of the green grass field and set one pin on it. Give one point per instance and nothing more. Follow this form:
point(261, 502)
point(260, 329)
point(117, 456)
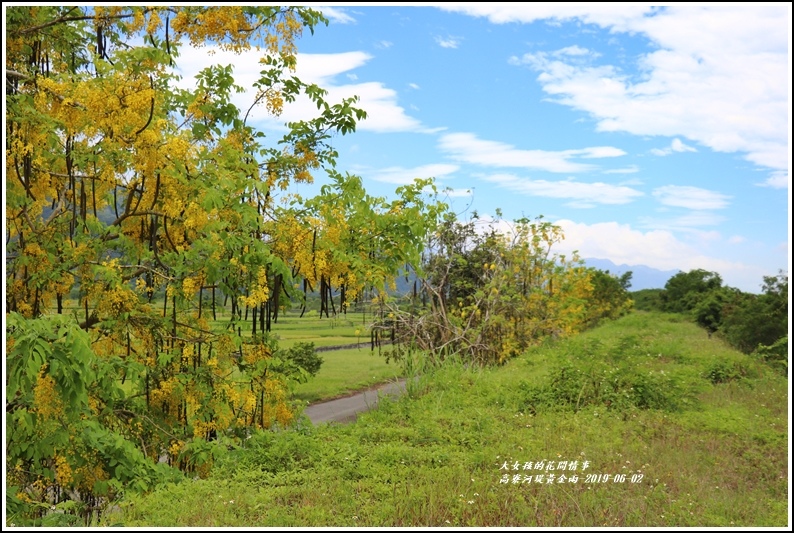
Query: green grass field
point(678, 431)
point(343, 371)
point(334, 331)
point(346, 371)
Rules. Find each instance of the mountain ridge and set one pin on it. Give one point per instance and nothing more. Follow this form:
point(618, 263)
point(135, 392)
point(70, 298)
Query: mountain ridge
point(642, 276)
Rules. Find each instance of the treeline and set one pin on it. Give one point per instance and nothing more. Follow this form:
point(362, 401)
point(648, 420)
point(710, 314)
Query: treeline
point(752, 323)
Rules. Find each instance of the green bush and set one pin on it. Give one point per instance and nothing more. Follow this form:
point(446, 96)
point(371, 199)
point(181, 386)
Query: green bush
point(613, 387)
point(725, 370)
point(302, 354)
point(274, 452)
point(776, 354)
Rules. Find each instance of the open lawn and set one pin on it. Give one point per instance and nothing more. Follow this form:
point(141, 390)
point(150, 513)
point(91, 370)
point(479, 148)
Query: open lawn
point(343, 371)
point(346, 371)
point(334, 331)
point(344, 328)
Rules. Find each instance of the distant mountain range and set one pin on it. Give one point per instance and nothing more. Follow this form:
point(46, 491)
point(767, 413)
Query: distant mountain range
point(642, 277)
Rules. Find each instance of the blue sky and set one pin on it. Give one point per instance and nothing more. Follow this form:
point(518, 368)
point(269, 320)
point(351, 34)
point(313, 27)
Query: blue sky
point(655, 136)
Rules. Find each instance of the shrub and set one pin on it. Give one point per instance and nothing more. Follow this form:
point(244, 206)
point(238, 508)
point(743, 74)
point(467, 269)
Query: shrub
point(302, 354)
point(725, 370)
point(613, 387)
point(776, 354)
point(275, 452)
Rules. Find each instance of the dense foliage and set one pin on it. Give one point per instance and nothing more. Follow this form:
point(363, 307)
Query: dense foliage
point(486, 296)
point(683, 291)
point(304, 356)
point(140, 199)
point(646, 299)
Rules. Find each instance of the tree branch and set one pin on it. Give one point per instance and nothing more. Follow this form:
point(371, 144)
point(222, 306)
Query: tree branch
point(65, 18)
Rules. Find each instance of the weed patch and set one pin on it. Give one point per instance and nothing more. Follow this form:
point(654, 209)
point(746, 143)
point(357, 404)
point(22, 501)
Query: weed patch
point(725, 370)
point(576, 386)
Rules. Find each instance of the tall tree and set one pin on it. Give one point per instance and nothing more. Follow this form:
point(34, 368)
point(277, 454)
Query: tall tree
point(132, 196)
point(754, 320)
point(683, 291)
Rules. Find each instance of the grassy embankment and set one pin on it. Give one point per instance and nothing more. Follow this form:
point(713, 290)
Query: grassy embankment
point(701, 428)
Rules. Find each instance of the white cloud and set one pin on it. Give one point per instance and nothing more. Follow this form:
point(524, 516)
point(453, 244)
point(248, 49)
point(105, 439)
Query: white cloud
point(736, 239)
point(448, 42)
point(627, 170)
point(404, 176)
point(777, 180)
point(678, 146)
point(458, 193)
point(580, 194)
point(413, 86)
point(312, 68)
point(595, 13)
point(323, 68)
point(656, 248)
point(675, 146)
point(575, 51)
point(596, 152)
point(688, 223)
point(379, 101)
point(466, 147)
point(690, 197)
point(719, 75)
point(384, 44)
point(336, 15)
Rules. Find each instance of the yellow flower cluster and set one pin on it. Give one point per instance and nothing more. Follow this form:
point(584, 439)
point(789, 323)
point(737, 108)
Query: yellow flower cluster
point(154, 23)
point(63, 471)
point(283, 415)
point(189, 354)
point(176, 448)
point(46, 400)
point(115, 301)
point(274, 101)
point(201, 428)
point(258, 293)
point(255, 353)
point(249, 403)
point(190, 286)
point(195, 217)
point(89, 474)
point(141, 286)
point(166, 392)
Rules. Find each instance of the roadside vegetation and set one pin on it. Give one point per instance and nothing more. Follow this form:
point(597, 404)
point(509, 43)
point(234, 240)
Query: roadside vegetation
point(700, 427)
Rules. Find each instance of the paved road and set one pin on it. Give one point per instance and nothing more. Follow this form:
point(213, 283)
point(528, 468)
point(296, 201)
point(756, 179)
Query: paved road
point(346, 409)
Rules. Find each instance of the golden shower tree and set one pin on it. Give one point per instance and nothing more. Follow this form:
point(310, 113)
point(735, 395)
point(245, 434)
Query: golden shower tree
point(134, 197)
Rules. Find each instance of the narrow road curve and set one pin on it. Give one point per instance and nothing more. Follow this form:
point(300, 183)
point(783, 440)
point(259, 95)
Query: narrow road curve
point(346, 409)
